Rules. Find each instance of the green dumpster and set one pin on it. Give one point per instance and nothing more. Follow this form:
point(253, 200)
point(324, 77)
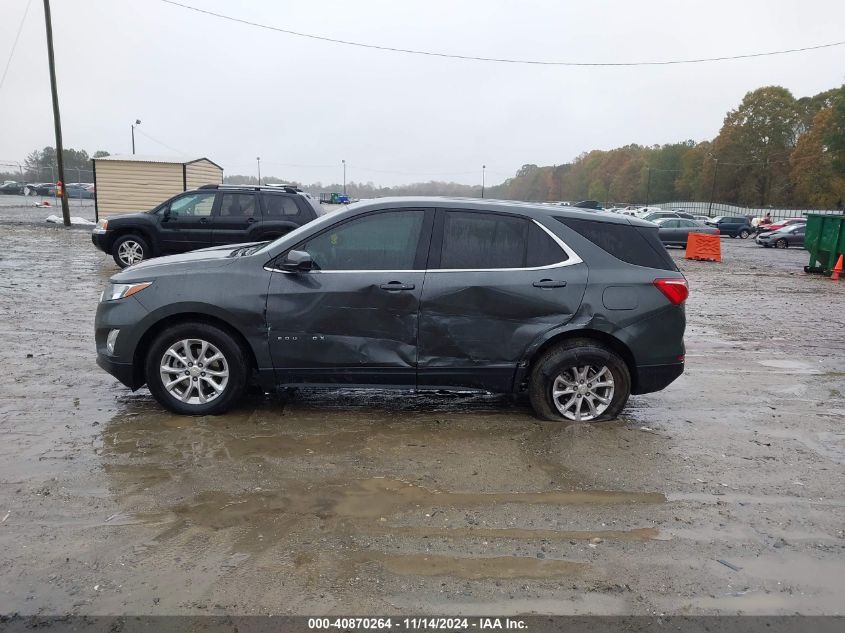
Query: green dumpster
point(825, 239)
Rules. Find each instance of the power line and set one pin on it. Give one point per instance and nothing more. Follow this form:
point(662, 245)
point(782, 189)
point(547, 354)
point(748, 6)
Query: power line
point(155, 140)
point(500, 60)
point(14, 44)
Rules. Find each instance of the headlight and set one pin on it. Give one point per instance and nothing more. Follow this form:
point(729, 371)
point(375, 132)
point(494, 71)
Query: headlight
point(120, 291)
point(101, 227)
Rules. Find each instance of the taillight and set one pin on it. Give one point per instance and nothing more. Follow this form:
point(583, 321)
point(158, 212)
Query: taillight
point(676, 290)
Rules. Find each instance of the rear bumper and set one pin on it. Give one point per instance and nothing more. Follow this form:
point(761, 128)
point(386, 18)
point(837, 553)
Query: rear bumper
point(652, 378)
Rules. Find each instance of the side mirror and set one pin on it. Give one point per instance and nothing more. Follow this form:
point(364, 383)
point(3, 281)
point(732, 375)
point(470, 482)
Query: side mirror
point(297, 261)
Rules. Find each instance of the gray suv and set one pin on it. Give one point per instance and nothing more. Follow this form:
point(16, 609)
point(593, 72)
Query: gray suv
point(573, 309)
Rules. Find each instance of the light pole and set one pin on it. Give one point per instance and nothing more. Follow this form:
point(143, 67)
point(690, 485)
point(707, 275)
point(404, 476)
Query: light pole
point(344, 175)
point(258, 160)
point(483, 168)
point(137, 122)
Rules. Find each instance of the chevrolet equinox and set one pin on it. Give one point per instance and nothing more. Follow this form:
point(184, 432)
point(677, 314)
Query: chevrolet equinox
point(574, 309)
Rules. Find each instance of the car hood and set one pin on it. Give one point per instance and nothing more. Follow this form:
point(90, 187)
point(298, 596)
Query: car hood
point(118, 219)
point(176, 264)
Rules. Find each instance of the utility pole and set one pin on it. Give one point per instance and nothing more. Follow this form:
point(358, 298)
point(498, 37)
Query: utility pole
point(258, 160)
point(56, 118)
point(483, 168)
point(344, 175)
point(713, 188)
point(648, 187)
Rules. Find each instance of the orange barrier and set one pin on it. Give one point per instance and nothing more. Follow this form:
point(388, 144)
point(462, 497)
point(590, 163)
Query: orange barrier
point(704, 247)
point(837, 270)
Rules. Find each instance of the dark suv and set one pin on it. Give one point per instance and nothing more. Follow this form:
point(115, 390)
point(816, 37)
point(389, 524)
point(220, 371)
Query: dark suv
point(209, 216)
point(573, 309)
point(733, 226)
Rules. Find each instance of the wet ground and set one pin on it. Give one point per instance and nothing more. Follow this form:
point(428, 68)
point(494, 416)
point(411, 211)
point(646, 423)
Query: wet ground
point(723, 494)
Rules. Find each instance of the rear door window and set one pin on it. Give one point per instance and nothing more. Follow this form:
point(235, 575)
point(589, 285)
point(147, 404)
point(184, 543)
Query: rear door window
point(485, 241)
point(237, 205)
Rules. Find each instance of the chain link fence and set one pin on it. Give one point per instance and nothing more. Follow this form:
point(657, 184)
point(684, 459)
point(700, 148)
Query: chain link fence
point(718, 208)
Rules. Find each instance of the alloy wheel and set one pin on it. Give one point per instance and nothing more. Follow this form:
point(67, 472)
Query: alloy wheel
point(130, 252)
point(194, 371)
point(583, 393)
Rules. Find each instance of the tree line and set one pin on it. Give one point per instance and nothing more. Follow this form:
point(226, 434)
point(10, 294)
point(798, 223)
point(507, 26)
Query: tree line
point(772, 150)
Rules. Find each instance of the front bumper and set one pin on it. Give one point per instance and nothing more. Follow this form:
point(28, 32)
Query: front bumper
point(124, 372)
point(652, 378)
point(102, 241)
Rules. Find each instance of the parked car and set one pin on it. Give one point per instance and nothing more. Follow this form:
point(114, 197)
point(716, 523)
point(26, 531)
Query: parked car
point(774, 226)
point(641, 212)
point(80, 190)
point(593, 205)
point(209, 216)
point(574, 310)
point(732, 226)
point(40, 189)
point(675, 231)
point(11, 187)
point(657, 215)
point(784, 237)
point(701, 219)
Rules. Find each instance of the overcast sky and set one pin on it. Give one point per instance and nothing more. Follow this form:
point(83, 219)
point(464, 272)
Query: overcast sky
point(207, 87)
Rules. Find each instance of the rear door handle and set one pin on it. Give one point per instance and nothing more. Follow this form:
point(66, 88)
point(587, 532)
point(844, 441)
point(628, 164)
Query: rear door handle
point(250, 220)
point(549, 283)
point(203, 220)
point(396, 285)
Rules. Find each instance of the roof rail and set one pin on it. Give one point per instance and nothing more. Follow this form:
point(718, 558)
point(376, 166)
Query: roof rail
point(285, 188)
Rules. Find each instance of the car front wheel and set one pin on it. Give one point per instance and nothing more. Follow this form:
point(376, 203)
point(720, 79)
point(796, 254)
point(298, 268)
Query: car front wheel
point(196, 369)
point(781, 243)
point(579, 380)
point(130, 249)
point(744, 233)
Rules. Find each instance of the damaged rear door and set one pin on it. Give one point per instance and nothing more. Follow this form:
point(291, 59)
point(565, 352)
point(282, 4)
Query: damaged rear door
point(353, 318)
point(496, 282)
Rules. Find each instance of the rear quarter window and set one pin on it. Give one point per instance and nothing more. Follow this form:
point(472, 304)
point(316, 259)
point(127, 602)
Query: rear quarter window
point(636, 245)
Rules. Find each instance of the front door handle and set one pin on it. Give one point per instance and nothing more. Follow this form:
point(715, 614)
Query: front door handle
point(549, 283)
point(203, 220)
point(396, 285)
point(250, 220)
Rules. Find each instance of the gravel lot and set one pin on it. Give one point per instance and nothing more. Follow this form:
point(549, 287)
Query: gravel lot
point(387, 504)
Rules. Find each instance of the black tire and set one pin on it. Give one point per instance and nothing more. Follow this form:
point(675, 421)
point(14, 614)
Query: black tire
point(744, 233)
point(576, 353)
point(126, 244)
point(782, 243)
point(234, 361)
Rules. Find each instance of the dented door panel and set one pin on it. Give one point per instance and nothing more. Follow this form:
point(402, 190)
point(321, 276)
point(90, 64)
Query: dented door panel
point(346, 321)
point(475, 326)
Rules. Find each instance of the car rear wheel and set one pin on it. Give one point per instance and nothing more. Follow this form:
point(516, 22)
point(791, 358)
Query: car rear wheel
point(130, 249)
point(744, 233)
point(579, 380)
point(196, 369)
point(781, 243)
